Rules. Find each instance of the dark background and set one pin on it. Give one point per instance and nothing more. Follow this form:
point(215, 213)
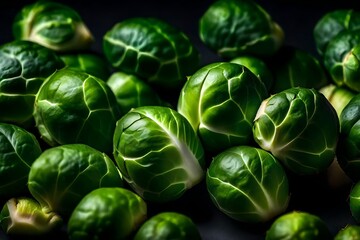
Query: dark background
point(297, 18)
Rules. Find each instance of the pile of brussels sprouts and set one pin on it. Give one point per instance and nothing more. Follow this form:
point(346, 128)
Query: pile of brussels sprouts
point(91, 143)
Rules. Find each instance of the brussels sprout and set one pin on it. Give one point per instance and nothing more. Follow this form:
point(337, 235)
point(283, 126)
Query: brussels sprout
point(341, 59)
point(331, 24)
point(348, 149)
point(92, 63)
point(158, 153)
point(107, 213)
point(220, 101)
point(131, 91)
point(300, 128)
point(61, 176)
point(354, 201)
point(75, 107)
point(294, 67)
point(18, 150)
point(298, 225)
point(24, 216)
point(248, 184)
point(23, 68)
point(235, 27)
point(168, 226)
point(351, 68)
point(258, 66)
point(349, 232)
point(151, 49)
point(53, 25)
point(339, 97)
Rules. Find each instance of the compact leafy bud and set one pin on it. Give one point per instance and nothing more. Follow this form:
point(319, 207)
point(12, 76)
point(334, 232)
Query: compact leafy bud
point(168, 225)
point(331, 24)
point(220, 101)
point(24, 66)
point(131, 91)
point(73, 106)
point(298, 225)
point(158, 153)
point(341, 59)
point(53, 25)
point(61, 176)
point(235, 27)
point(300, 128)
point(294, 67)
point(248, 184)
point(153, 50)
point(107, 213)
point(348, 149)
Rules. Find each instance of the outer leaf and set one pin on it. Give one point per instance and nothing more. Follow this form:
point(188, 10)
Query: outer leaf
point(351, 69)
point(18, 150)
point(258, 66)
point(25, 217)
point(158, 153)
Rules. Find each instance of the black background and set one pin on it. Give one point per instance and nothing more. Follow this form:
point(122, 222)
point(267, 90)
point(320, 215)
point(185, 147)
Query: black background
point(297, 18)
